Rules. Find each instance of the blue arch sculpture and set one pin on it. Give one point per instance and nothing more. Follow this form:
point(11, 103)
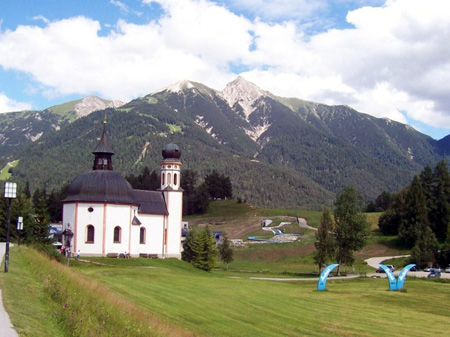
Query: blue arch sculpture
point(321, 284)
point(402, 275)
point(390, 275)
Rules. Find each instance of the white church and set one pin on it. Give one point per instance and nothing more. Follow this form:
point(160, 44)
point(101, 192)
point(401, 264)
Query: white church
point(107, 216)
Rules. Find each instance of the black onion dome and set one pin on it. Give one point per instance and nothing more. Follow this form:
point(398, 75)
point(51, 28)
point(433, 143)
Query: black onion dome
point(100, 186)
point(171, 151)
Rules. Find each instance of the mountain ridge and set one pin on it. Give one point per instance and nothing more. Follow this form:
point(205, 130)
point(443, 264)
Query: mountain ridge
point(279, 152)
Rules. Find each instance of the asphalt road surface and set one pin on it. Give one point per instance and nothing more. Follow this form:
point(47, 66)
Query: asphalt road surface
point(375, 261)
point(6, 327)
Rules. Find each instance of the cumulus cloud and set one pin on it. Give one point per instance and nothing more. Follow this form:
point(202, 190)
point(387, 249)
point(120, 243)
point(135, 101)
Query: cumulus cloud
point(8, 105)
point(394, 62)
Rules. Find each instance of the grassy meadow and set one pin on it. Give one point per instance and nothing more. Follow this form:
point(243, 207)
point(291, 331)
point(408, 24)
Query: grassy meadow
point(148, 297)
point(145, 297)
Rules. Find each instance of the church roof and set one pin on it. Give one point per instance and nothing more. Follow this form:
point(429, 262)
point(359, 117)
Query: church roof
point(150, 202)
point(100, 186)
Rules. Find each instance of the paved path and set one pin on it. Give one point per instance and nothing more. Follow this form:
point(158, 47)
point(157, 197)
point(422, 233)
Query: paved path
point(6, 327)
point(375, 261)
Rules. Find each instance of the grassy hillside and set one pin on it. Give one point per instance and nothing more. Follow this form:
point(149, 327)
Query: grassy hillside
point(180, 300)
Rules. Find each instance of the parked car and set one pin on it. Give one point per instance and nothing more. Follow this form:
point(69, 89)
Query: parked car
point(447, 270)
point(427, 269)
point(391, 267)
point(415, 268)
point(434, 273)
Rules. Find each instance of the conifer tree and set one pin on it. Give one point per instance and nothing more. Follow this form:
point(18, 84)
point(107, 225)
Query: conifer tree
point(416, 215)
point(325, 243)
point(440, 215)
point(225, 251)
point(351, 227)
point(423, 252)
point(42, 219)
point(199, 248)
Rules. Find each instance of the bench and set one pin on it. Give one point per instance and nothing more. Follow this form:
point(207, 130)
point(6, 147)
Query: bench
point(113, 255)
point(150, 256)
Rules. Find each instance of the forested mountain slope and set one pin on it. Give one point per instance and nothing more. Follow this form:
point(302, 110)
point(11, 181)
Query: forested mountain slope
point(278, 151)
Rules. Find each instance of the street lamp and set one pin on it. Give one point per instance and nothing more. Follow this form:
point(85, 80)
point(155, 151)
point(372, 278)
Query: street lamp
point(9, 193)
point(19, 226)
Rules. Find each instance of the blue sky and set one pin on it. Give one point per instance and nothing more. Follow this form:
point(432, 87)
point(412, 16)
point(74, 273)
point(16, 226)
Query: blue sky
point(385, 58)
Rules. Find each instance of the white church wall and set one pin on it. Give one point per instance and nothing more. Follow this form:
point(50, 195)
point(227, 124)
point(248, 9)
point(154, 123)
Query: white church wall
point(118, 215)
point(154, 230)
point(89, 214)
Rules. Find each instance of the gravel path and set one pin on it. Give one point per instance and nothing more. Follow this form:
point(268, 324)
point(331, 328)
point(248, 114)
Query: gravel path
point(7, 329)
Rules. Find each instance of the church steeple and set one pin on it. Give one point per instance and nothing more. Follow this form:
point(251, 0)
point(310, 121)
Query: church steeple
point(103, 153)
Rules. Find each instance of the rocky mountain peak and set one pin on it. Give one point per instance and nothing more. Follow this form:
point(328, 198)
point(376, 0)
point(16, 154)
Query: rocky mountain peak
point(243, 92)
point(178, 87)
point(93, 103)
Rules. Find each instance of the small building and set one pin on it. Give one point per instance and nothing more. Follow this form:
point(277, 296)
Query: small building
point(266, 222)
point(108, 217)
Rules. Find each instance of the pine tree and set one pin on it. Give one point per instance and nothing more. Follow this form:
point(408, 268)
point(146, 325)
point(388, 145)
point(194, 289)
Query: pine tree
point(351, 227)
point(199, 248)
point(225, 251)
point(325, 243)
point(191, 245)
point(424, 250)
point(42, 219)
point(416, 214)
point(206, 260)
point(440, 215)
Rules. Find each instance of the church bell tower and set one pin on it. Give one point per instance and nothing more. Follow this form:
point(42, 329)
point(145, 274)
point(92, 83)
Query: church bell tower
point(173, 195)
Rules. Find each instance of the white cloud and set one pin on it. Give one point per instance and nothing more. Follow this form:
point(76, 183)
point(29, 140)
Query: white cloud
point(279, 9)
point(9, 105)
point(41, 18)
point(394, 63)
point(123, 7)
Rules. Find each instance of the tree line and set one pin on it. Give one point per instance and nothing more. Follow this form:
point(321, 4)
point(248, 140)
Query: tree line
point(37, 210)
point(197, 195)
point(420, 216)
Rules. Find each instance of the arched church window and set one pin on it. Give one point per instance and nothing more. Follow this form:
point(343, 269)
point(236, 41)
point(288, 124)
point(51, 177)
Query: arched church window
point(117, 234)
point(175, 179)
point(90, 232)
point(142, 236)
point(163, 177)
point(169, 179)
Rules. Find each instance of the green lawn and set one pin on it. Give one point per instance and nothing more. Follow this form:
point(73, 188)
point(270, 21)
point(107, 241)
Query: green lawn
point(193, 302)
point(214, 305)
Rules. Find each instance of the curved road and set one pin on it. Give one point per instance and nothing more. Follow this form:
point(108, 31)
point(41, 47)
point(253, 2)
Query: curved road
point(7, 329)
point(375, 261)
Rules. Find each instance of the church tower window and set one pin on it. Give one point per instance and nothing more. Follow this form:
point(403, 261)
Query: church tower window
point(175, 179)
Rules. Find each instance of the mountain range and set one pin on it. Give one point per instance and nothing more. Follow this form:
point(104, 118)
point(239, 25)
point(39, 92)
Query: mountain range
point(278, 151)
